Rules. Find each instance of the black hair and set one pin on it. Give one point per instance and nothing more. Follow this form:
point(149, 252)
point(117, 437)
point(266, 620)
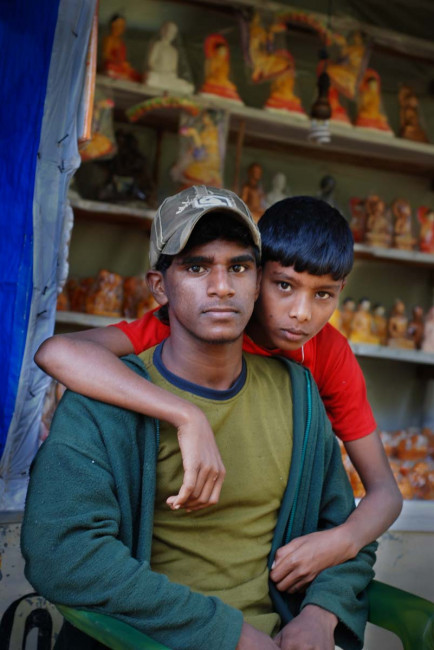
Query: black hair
point(308, 234)
point(115, 17)
point(212, 226)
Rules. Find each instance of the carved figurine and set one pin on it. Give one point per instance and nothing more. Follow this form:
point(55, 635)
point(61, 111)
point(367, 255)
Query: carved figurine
point(410, 127)
point(282, 94)
point(416, 327)
point(426, 235)
point(346, 70)
point(402, 228)
point(202, 162)
point(267, 60)
point(347, 314)
point(397, 327)
point(361, 326)
point(278, 189)
point(379, 323)
point(106, 295)
point(370, 113)
point(428, 337)
point(136, 296)
point(252, 193)
point(273, 62)
point(217, 69)
point(327, 186)
point(378, 225)
point(162, 64)
point(358, 219)
point(114, 52)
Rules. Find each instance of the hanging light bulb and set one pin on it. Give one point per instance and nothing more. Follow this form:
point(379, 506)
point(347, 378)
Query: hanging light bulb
point(321, 111)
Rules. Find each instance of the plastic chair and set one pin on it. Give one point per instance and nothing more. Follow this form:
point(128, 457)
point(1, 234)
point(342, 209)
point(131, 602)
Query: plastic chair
point(410, 617)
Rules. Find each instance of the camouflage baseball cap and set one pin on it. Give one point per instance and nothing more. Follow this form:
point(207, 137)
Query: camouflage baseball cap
point(178, 214)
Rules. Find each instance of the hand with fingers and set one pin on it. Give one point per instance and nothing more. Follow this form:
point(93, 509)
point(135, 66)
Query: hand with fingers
point(204, 471)
point(298, 563)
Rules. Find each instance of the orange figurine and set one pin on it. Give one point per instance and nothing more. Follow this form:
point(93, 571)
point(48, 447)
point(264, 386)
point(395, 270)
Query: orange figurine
point(252, 193)
point(426, 235)
point(217, 69)
point(378, 225)
point(409, 117)
point(397, 327)
point(362, 324)
point(370, 113)
point(402, 234)
point(114, 52)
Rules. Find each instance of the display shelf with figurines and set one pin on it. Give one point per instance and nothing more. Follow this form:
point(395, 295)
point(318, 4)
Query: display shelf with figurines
point(278, 140)
point(369, 148)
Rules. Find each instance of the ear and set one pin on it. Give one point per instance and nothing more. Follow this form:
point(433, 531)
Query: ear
point(344, 282)
point(155, 280)
point(258, 283)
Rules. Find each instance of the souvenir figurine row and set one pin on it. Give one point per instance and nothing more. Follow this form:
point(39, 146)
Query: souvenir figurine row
point(361, 324)
point(375, 223)
point(269, 60)
point(411, 457)
point(107, 294)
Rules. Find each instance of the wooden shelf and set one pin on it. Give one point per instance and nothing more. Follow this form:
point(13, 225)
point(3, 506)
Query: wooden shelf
point(415, 258)
point(393, 354)
point(290, 133)
point(114, 212)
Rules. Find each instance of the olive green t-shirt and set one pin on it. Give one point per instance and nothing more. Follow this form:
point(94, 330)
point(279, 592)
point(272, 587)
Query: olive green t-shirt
point(223, 549)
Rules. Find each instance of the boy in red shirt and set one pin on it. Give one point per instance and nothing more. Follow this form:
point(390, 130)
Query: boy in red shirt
point(307, 253)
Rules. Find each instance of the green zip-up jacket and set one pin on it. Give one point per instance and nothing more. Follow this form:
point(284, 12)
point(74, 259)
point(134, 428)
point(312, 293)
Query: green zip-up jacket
point(92, 549)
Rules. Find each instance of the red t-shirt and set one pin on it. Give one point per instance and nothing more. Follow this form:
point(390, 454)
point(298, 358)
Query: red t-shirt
point(327, 355)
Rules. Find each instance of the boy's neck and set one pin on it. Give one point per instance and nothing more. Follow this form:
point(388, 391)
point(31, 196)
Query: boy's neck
point(211, 365)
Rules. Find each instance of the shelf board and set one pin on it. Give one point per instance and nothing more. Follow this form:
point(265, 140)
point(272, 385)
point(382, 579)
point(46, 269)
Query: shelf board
point(360, 146)
point(394, 354)
point(394, 255)
point(87, 320)
point(116, 212)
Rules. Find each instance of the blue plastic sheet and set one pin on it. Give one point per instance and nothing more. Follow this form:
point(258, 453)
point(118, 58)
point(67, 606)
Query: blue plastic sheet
point(26, 37)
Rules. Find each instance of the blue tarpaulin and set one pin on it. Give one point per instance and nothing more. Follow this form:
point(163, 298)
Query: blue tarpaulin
point(26, 37)
point(42, 69)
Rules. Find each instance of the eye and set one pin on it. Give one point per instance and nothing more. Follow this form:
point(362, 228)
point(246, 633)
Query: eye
point(324, 295)
point(284, 286)
point(239, 268)
point(196, 268)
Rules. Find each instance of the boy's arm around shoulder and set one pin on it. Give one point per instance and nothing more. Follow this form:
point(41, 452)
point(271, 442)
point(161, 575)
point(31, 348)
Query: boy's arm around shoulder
point(87, 529)
point(341, 588)
point(325, 501)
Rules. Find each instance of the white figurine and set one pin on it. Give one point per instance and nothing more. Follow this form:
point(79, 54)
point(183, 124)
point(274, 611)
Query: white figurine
point(162, 65)
point(278, 189)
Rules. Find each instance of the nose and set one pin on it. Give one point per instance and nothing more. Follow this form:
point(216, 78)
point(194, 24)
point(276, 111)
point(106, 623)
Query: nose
point(220, 283)
point(300, 308)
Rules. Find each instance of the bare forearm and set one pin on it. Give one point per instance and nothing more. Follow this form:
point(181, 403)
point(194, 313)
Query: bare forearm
point(92, 370)
point(375, 513)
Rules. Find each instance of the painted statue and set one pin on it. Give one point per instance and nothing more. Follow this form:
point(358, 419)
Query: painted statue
point(114, 52)
point(163, 59)
point(217, 70)
point(370, 113)
point(252, 193)
point(402, 225)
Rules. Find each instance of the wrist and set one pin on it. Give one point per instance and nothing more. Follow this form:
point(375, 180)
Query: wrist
point(182, 412)
point(324, 615)
point(345, 543)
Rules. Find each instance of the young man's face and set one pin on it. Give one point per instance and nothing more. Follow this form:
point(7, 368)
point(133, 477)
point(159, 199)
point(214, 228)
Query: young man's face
point(210, 290)
point(292, 307)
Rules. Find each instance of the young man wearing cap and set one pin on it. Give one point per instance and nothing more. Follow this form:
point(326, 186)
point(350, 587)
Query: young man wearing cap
point(198, 580)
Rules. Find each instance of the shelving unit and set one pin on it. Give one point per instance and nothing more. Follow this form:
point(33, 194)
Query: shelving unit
point(269, 128)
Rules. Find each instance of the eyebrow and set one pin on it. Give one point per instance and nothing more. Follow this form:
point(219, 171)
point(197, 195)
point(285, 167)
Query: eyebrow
point(203, 259)
point(278, 275)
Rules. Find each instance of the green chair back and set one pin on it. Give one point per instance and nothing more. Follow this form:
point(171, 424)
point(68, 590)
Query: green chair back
point(408, 616)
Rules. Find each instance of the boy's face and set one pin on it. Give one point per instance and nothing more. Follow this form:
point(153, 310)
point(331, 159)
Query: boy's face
point(210, 291)
point(292, 307)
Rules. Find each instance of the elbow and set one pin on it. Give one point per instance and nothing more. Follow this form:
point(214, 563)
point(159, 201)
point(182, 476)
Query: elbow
point(48, 354)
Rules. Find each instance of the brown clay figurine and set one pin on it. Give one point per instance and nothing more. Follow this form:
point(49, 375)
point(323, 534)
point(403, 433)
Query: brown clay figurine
point(252, 193)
